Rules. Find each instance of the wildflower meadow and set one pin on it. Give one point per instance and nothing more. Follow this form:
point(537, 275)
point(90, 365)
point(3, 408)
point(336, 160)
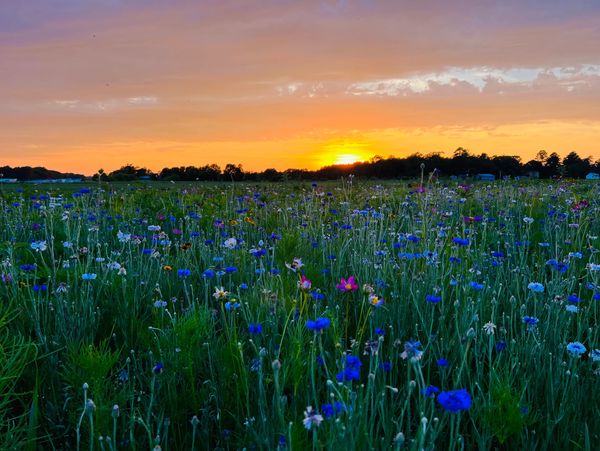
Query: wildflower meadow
point(339, 315)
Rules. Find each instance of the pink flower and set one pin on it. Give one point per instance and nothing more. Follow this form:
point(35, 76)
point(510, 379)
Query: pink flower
point(304, 283)
point(348, 285)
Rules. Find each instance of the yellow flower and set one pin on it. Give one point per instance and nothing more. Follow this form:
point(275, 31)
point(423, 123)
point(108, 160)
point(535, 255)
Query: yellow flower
point(249, 220)
point(168, 268)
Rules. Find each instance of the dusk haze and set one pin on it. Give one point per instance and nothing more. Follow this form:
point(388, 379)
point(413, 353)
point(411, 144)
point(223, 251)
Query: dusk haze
point(299, 225)
point(293, 84)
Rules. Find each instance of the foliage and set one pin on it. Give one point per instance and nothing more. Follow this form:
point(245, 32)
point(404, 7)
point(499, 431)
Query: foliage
point(337, 315)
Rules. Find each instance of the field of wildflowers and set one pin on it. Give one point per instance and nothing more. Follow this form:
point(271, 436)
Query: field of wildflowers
point(347, 315)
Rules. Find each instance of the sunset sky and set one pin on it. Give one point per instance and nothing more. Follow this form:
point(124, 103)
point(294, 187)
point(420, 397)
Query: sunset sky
point(89, 84)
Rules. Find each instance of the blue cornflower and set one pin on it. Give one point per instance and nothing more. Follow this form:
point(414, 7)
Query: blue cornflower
point(576, 349)
point(477, 286)
point(88, 276)
point(209, 273)
point(500, 345)
point(461, 241)
point(243, 286)
point(27, 267)
point(318, 324)
point(42, 287)
point(531, 322)
point(327, 410)
point(282, 441)
point(536, 287)
point(558, 266)
point(258, 252)
point(184, 273)
point(455, 401)
point(255, 329)
point(412, 349)
point(442, 362)
point(230, 269)
point(158, 368)
point(574, 299)
point(430, 391)
point(386, 366)
point(330, 410)
point(351, 369)
point(433, 298)
point(379, 331)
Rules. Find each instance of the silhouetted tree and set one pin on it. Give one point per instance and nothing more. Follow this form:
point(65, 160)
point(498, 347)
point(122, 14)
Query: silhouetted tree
point(552, 165)
point(233, 172)
point(576, 167)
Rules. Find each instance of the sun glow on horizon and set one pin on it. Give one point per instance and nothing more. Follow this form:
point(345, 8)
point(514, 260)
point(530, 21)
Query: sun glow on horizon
point(345, 151)
point(346, 158)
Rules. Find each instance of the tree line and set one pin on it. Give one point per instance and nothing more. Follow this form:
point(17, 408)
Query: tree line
point(462, 164)
point(35, 173)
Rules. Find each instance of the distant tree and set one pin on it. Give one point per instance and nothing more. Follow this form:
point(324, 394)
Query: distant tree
point(270, 175)
point(534, 166)
point(233, 172)
point(130, 172)
point(576, 167)
point(552, 165)
point(541, 156)
point(507, 165)
point(461, 152)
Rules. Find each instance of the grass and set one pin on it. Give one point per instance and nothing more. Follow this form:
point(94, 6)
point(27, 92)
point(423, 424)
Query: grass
point(114, 336)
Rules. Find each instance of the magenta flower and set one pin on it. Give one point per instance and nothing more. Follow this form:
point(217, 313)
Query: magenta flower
point(304, 283)
point(347, 285)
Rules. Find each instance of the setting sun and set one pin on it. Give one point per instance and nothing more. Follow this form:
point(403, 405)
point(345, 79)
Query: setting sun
point(345, 151)
point(346, 158)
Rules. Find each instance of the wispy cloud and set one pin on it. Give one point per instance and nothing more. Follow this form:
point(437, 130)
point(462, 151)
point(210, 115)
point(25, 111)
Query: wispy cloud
point(480, 78)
